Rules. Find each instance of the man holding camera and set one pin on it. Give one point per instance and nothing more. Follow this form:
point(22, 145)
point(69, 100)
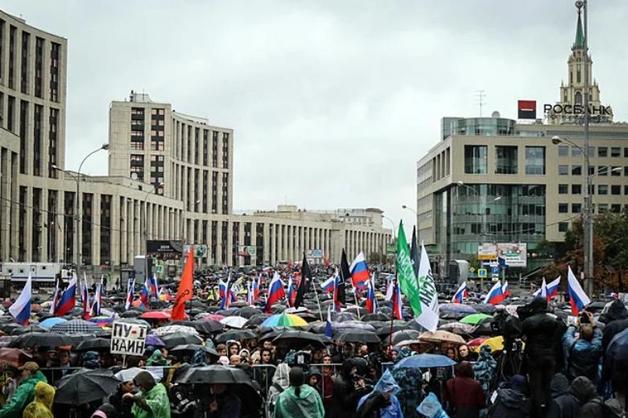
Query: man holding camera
point(583, 349)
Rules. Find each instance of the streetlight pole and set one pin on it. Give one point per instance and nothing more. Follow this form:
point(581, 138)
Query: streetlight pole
point(145, 214)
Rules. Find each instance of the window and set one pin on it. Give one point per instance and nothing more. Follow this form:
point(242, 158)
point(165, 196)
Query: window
point(576, 189)
point(602, 151)
point(626, 171)
point(506, 160)
point(563, 170)
point(615, 152)
point(475, 157)
point(616, 189)
point(576, 207)
point(563, 226)
point(602, 189)
point(563, 188)
point(602, 170)
point(626, 189)
point(563, 208)
point(626, 152)
point(535, 160)
point(576, 152)
point(615, 208)
point(616, 171)
point(576, 170)
point(563, 150)
point(602, 208)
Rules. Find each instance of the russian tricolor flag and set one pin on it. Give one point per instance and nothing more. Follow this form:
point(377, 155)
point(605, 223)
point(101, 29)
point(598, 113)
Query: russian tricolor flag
point(460, 294)
point(371, 301)
point(55, 299)
point(337, 302)
point(21, 308)
point(359, 272)
point(97, 301)
point(577, 298)
point(226, 294)
point(505, 291)
point(552, 288)
point(292, 291)
point(130, 291)
point(255, 286)
point(329, 284)
point(145, 293)
point(275, 292)
point(67, 301)
point(153, 286)
point(393, 293)
point(496, 295)
point(85, 299)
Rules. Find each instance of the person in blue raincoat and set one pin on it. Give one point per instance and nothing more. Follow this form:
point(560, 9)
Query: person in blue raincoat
point(431, 408)
point(381, 402)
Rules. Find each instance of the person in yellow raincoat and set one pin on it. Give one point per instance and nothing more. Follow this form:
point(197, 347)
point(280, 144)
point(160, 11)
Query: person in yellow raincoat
point(41, 407)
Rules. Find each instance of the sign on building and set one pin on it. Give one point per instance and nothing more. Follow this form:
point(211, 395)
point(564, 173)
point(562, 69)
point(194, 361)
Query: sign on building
point(247, 251)
point(200, 250)
point(164, 249)
point(514, 254)
point(314, 254)
point(487, 251)
point(128, 339)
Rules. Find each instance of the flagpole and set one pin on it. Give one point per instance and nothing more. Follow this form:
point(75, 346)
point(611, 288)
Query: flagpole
point(318, 301)
point(355, 295)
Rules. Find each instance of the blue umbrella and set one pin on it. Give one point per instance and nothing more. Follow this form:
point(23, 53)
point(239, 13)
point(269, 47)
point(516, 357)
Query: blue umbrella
point(51, 322)
point(425, 361)
point(154, 340)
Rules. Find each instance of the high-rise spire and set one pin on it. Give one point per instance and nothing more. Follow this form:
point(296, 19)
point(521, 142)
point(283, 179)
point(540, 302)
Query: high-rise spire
point(579, 43)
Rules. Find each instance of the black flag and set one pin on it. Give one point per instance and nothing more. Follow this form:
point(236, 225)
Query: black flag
point(304, 285)
point(345, 275)
point(414, 253)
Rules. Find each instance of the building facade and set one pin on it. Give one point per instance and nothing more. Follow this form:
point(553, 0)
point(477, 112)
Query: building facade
point(497, 180)
point(170, 178)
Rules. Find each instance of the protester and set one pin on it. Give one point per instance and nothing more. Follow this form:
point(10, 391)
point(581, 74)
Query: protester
point(463, 394)
point(152, 401)
point(280, 383)
point(430, 407)
point(583, 351)
point(221, 403)
point(511, 400)
point(564, 403)
point(122, 405)
point(25, 392)
point(381, 402)
point(41, 407)
point(584, 390)
point(484, 369)
point(299, 400)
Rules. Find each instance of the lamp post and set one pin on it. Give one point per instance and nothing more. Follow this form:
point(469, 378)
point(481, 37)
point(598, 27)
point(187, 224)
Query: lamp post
point(145, 213)
point(587, 221)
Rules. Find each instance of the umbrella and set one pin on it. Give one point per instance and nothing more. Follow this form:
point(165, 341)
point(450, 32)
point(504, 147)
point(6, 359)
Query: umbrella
point(363, 337)
point(353, 325)
point(43, 339)
point(194, 348)
point(375, 317)
point(256, 320)
point(94, 344)
point(284, 320)
point(458, 328)
point(155, 341)
point(456, 307)
point(495, 343)
point(248, 311)
point(130, 314)
point(173, 340)
point(343, 316)
point(13, 356)
point(236, 334)
point(476, 342)
point(174, 329)
point(52, 321)
point(400, 336)
point(440, 336)
point(133, 321)
point(234, 321)
point(204, 327)
point(156, 315)
point(85, 386)
point(128, 375)
point(486, 308)
point(425, 361)
point(75, 326)
point(300, 338)
point(207, 317)
point(475, 319)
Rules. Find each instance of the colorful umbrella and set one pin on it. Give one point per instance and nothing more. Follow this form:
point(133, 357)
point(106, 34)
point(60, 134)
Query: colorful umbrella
point(476, 342)
point(496, 343)
point(14, 356)
point(284, 320)
point(475, 318)
point(158, 315)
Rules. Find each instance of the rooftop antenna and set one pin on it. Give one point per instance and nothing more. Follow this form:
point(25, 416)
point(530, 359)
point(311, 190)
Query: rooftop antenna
point(480, 95)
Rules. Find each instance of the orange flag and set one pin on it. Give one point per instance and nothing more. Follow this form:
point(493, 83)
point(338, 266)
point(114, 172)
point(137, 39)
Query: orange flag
point(186, 288)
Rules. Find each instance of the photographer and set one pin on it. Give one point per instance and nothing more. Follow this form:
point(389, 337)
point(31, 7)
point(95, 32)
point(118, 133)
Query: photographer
point(584, 350)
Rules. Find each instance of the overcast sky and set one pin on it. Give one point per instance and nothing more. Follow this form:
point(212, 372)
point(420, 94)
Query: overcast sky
point(332, 102)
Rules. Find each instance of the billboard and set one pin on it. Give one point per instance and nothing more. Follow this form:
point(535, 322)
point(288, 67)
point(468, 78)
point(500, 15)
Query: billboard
point(164, 249)
point(314, 253)
point(247, 251)
point(487, 251)
point(515, 255)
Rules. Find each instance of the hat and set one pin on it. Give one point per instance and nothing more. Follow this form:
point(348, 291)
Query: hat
point(31, 366)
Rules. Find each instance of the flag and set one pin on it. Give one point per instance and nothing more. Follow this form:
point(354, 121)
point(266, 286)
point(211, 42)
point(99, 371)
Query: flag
point(371, 300)
point(460, 294)
point(21, 308)
point(329, 284)
point(256, 285)
point(329, 331)
point(414, 253)
point(275, 292)
point(145, 294)
point(505, 291)
point(429, 297)
point(292, 292)
point(67, 301)
point(130, 291)
point(55, 298)
point(495, 296)
point(85, 299)
point(359, 272)
point(337, 286)
point(225, 293)
point(95, 308)
point(249, 293)
point(304, 284)
point(344, 274)
point(397, 303)
point(577, 298)
point(186, 288)
point(542, 292)
point(153, 286)
point(407, 280)
point(552, 288)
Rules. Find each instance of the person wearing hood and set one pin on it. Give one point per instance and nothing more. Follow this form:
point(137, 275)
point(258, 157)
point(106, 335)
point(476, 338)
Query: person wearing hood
point(583, 352)
point(41, 407)
point(152, 401)
point(584, 390)
point(381, 402)
point(156, 359)
point(25, 392)
point(542, 333)
point(430, 407)
point(484, 369)
point(410, 382)
point(314, 378)
point(564, 403)
point(511, 401)
point(299, 400)
point(280, 383)
point(464, 394)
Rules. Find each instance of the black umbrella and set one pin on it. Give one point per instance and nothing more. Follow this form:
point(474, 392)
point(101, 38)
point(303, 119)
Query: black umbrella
point(409, 334)
point(228, 312)
point(236, 334)
point(299, 338)
point(204, 327)
point(256, 320)
point(375, 317)
point(486, 308)
point(130, 314)
point(46, 339)
point(94, 344)
point(364, 337)
point(85, 386)
point(249, 311)
point(178, 338)
point(194, 348)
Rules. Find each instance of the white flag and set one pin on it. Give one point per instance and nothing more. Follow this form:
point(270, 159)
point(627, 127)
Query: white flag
point(427, 291)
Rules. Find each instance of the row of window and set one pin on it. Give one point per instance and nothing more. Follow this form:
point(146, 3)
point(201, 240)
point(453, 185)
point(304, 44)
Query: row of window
point(476, 159)
point(602, 152)
point(602, 170)
point(601, 207)
point(602, 189)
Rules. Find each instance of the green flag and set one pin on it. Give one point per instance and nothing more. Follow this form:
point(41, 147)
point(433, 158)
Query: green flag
point(405, 273)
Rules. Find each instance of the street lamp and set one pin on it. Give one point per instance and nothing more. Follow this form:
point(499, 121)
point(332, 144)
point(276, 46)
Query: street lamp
point(392, 224)
point(587, 224)
point(145, 214)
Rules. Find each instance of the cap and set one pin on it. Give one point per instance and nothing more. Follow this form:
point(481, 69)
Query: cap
point(31, 366)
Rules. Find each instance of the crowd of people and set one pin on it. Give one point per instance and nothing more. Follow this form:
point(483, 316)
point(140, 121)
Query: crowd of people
point(531, 359)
